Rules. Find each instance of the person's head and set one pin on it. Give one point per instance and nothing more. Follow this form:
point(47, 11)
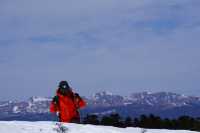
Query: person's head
point(64, 87)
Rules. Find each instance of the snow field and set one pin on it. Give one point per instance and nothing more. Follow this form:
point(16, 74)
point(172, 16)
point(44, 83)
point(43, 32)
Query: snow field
point(50, 127)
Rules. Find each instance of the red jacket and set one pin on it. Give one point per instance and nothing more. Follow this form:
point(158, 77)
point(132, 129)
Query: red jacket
point(67, 106)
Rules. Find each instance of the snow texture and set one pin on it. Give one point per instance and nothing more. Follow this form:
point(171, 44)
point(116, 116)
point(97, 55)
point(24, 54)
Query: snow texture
point(54, 127)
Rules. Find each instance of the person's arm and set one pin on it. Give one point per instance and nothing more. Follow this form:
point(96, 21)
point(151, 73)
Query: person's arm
point(54, 105)
point(79, 101)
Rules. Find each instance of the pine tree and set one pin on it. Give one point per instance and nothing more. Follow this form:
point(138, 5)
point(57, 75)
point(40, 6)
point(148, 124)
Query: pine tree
point(128, 122)
point(91, 119)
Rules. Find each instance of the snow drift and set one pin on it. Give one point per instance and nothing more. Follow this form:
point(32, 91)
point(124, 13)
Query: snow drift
point(52, 127)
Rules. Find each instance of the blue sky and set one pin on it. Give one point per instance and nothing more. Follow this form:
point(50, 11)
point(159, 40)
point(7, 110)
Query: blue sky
point(118, 46)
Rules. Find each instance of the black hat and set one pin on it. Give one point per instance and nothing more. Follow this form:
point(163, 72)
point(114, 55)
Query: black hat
point(64, 88)
point(63, 85)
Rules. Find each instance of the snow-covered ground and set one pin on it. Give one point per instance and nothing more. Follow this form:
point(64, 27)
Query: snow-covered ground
point(52, 127)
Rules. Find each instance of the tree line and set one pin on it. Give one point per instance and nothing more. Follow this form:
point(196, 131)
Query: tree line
point(144, 121)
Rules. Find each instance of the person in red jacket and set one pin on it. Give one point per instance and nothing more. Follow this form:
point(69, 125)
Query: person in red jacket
point(66, 104)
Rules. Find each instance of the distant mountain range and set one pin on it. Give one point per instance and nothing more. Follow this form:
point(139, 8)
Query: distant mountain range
point(164, 104)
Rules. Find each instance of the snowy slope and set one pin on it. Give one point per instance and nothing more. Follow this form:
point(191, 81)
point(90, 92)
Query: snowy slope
point(49, 127)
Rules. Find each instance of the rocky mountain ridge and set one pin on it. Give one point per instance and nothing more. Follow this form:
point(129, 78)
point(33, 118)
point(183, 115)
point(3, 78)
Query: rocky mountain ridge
point(105, 103)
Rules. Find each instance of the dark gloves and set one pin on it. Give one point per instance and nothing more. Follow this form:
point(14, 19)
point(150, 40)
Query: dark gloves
point(55, 99)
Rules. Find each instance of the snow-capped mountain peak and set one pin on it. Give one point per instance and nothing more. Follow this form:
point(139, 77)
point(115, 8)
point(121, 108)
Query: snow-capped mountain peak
point(162, 98)
point(101, 94)
point(106, 99)
point(144, 103)
point(35, 99)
